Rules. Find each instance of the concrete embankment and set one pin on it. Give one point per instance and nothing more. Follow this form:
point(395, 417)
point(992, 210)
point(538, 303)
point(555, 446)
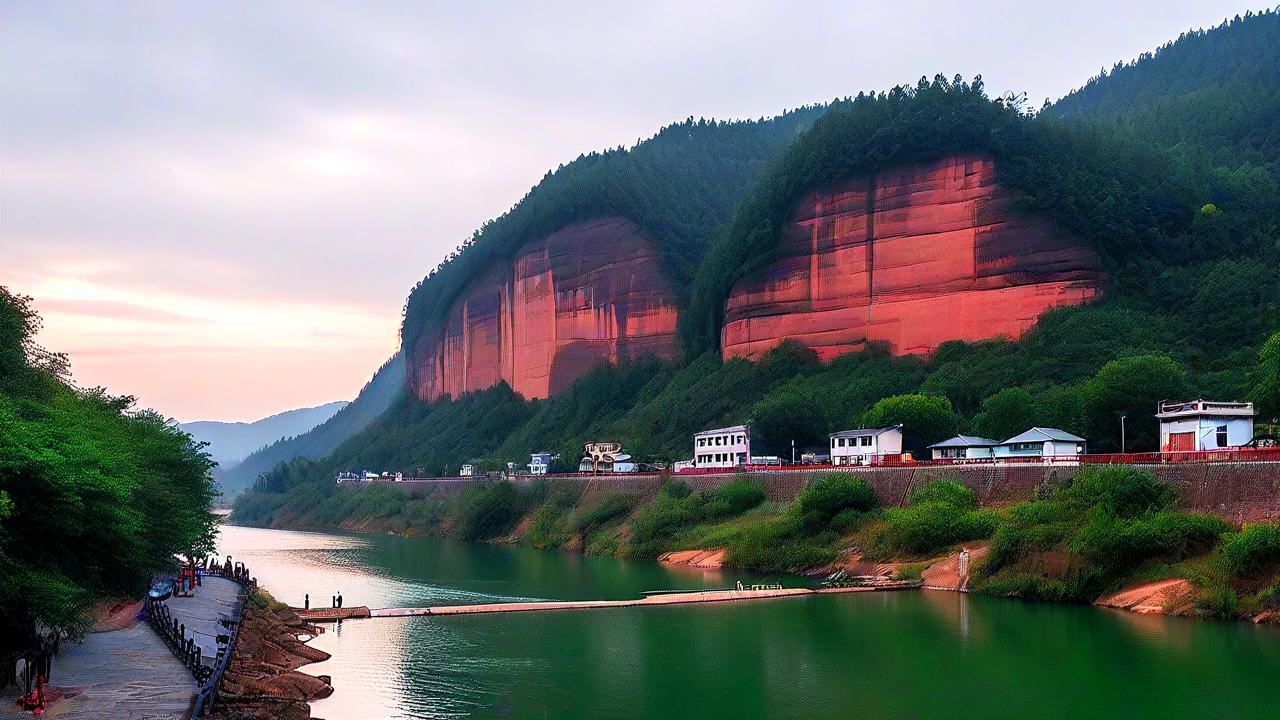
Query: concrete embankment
point(1236, 491)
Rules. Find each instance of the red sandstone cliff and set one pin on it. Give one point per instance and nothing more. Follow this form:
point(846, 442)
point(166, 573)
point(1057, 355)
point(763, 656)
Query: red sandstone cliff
point(590, 291)
point(913, 257)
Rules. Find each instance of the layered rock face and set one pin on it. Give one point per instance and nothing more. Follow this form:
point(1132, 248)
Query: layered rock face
point(912, 258)
point(588, 292)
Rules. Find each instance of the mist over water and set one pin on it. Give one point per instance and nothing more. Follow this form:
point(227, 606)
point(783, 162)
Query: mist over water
point(864, 655)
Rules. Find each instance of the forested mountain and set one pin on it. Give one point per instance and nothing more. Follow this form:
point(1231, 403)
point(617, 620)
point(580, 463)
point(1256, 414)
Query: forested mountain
point(383, 389)
point(95, 494)
point(1210, 91)
point(231, 442)
point(1180, 208)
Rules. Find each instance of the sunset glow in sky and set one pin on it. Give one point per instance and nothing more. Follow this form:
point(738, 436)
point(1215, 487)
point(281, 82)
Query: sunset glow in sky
point(220, 207)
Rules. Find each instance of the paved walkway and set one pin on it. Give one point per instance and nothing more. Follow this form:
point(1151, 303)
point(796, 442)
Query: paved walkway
point(217, 598)
point(131, 674)
point(119, 675)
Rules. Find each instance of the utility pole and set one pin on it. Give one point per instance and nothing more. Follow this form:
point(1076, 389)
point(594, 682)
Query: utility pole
point(1122, 438)
point(793, 452)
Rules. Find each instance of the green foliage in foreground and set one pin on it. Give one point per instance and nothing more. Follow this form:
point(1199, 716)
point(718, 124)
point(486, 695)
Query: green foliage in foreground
point(937, 516)
point(95, 495)
point(1087, 536)
point(1255, 548)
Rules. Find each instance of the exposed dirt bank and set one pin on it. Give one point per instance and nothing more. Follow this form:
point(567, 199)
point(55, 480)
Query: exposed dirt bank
point(705, 559)
point(1166, 597)
point(951, 572)
point(116, 614)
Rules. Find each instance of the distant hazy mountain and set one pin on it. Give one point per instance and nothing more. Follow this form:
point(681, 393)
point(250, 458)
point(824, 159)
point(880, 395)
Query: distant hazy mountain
point(385, 387)
point(231, 442)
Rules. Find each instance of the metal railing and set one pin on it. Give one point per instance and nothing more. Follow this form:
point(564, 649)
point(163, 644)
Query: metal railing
point(174, 633)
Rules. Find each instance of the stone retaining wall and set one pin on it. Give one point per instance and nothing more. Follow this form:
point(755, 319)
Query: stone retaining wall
point(1238, 492)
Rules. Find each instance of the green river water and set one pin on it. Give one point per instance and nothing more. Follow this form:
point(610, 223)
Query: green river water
point(862, 655)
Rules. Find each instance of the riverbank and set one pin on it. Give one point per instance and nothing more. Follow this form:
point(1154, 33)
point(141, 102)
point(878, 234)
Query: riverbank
point(751, 658)
point(1085, 538)
point(262, 681)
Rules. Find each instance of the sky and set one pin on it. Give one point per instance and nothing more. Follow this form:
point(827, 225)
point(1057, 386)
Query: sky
point(220, 207)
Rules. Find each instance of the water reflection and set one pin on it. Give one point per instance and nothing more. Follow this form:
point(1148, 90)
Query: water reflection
point(864, 655)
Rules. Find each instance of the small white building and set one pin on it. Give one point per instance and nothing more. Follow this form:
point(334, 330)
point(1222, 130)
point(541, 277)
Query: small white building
point(964, 447)
point(1204, 425)
point(539, 462)
point(1042, 443)
point(727, 447)
point(862, 447)
point(467, 470)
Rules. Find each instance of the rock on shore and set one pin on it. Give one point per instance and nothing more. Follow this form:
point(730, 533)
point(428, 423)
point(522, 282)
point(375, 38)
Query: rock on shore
point(262, 682)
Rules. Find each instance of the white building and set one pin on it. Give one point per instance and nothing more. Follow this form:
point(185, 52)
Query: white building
point(727, 447)
point(539, 462)
point(467, 470)
point(964, 447)
point(1204, 425)
point(1042, 443)
point(862, 447)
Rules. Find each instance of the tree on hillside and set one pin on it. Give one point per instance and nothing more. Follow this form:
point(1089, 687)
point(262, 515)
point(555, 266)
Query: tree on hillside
point(1133, 386)
point(1266, 391)
point(925, 419)
point(1005, 414)
point(782, 417)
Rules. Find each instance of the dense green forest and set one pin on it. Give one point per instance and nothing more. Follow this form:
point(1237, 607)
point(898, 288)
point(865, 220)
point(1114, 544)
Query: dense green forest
point(384, 389)
point(1187, 224)
point(95, 494)
point(1214, 92)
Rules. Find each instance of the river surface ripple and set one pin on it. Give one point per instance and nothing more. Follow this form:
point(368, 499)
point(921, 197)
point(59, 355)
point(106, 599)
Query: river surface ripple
point(861, 655)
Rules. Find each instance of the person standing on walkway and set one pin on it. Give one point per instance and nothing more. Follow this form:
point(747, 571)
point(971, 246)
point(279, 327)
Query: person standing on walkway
point(339, 599)
point(306, 601)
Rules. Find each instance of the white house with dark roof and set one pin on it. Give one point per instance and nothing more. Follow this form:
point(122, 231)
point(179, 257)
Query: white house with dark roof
point(964, 447)
point(1043, 443)
point(861, 447)
point(1204, 425)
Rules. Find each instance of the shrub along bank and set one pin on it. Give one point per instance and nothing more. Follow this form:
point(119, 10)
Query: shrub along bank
point(1107, 527)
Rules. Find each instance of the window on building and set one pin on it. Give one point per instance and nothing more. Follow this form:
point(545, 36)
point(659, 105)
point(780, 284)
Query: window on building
point(842, 441)
point(866, 441)
point(1221, 436)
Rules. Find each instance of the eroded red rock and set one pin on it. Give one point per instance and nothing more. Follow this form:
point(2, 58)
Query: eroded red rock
point(912, 258)
point(588, 292)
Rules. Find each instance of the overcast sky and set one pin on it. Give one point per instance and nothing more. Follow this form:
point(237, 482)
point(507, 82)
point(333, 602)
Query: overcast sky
point(220, 206)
